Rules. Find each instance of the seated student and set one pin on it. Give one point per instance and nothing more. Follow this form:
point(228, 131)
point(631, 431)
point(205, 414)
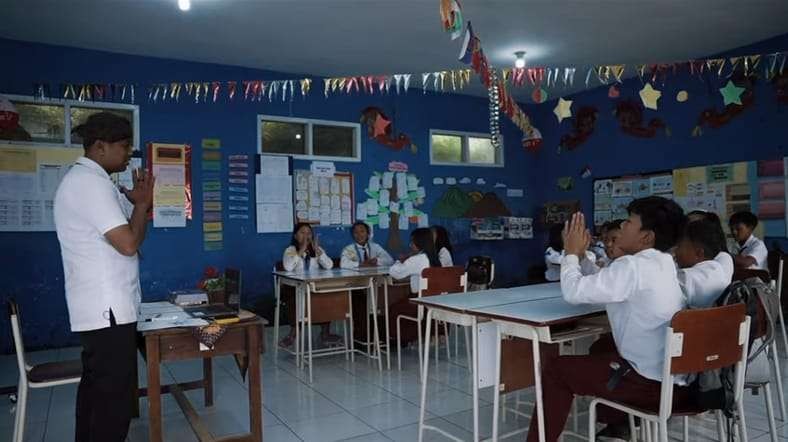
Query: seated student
point(749, 251)
point(363, 252)
point(612, 232)
point(555, 253)
point(641, 293)
point(305, 254)
point(706, 269)
point(597, 246)
point(421, 257)
point(442, 245)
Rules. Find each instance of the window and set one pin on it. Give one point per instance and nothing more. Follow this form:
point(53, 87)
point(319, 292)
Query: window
point(49, 121)
point(309, 139)
point(448, 148)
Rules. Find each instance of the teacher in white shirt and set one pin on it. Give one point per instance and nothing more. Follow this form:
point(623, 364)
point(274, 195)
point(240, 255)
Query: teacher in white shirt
point(99, 237)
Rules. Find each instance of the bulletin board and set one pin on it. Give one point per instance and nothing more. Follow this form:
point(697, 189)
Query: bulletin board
point(757, 186)
point(324, 201)
point(29, 177)
point(613, 195)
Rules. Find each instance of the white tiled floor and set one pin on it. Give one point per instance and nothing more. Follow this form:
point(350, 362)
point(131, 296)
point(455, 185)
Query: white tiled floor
point(349, 401)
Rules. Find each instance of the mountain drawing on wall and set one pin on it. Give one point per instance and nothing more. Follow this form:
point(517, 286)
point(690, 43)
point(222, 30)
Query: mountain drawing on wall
point(452, 204)
point(490, 206)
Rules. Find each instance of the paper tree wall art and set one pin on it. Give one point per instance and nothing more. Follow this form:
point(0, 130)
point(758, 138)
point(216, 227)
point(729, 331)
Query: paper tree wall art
point(392, 198)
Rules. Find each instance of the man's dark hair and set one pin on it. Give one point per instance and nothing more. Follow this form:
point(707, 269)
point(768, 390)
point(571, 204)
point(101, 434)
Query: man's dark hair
point(613, 225)
point(360, 223)
point(422, 239)
point(662, 216)
point(104, 126)
point(746, 217)
point(706, 234)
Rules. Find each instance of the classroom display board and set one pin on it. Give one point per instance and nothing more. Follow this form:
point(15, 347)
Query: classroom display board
point(613, 195)
point(756, 186)
point(274, 195)
point(29, 177)
point(324, 200)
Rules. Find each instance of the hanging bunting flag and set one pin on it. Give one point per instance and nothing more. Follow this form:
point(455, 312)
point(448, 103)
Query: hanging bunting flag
point(588, 75)
point(273, 89)
point(716, 64)
point(424, 77)
point(453, 81)
point(569, 77)
point(506, 74)
point(451, 17)
point(436, 77)
point(406, 80)
point(751, 63)
point(306, 85)
point(518, 77)
point(734, 64)
point(470, 46)
point(397, 81)
point(617, 71)
point(326, 86)
point(231, 86)
point(216, 87)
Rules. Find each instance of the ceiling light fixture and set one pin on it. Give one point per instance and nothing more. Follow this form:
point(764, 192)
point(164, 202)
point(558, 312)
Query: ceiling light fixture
point(185, 5)
point(519, 61)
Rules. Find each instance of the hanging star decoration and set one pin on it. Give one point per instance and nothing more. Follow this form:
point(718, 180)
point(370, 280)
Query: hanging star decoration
point(731, 94)
point(649, 96)
point(563, 109)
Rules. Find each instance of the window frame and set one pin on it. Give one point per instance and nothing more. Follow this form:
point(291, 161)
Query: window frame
point(67, 104)
point(465, 153)
point(308, 138)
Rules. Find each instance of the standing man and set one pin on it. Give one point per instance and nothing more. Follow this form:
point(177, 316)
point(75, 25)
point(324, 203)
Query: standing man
point(99, 240)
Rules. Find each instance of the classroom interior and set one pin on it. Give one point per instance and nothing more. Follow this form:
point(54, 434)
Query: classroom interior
point(495, 119)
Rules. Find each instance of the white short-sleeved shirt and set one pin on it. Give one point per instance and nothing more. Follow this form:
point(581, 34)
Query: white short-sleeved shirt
point(444, 256)
point(98, 278)
point(354, 254)
point(641, 294)
point(412, 268)
point(704, 282)
point(757, 249)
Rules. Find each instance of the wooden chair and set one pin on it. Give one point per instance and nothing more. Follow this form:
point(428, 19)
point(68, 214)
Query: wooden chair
point(697, 340)
point(434, 281)
point(48, 374)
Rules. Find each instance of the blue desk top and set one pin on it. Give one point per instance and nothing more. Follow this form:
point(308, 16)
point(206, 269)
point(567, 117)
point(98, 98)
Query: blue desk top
point(493, 297)
point(540, 311)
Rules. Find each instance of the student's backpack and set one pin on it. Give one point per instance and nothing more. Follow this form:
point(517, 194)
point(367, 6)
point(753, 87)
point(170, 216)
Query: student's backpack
point(479, 271)
point(714, 389)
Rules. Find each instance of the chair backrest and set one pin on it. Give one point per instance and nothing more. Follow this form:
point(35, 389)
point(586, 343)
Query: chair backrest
point(19, 346)
point(707, 339)
point(442, 280)
point(740, 274)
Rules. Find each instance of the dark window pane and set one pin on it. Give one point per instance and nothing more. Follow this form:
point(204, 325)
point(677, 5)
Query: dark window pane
point(80, 115)
point(281, 137)
point(447, 148)
point(481, 150)
point(38, 122)
point(334, 141)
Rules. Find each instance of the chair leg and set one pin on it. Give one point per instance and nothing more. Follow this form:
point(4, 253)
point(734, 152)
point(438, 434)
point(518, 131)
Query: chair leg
point(633, 432)
point(720, 425)
point(399, 345)
point(448, 347)
point(663, 430)
point(784, 332)
point(767, 390)
point(686, 428)
point(421, 362)
point(456, 331)
point(775, 356)
point(468, 344)
point(437, 341)
point(742, 420)
point(424, 375)
point(344, 336)
point(21, 412)
point(592, 421)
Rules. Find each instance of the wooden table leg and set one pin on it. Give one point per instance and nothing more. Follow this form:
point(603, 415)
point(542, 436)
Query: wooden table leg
point(253, 335)
point(154, 389)
point(207, 379)
point(135, 395)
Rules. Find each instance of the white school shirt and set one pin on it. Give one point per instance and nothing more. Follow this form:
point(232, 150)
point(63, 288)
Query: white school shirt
point(97, 277)
point(444, 256)
point(293, 262)
point(552, 260)
point(412, 268)
point(704, 282)
point(351, 260)
point(641, 294)
point(756, 248)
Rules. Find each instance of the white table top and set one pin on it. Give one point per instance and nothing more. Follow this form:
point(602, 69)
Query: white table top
point(493, 297)
point(539, 312)
point(336, 273)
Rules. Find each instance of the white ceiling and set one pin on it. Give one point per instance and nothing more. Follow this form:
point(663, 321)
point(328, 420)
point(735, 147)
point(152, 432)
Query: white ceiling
point(348, 37)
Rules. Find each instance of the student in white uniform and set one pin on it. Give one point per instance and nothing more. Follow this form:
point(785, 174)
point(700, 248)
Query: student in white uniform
point(555, 253)
point(99, 238)
point(705, 267)
point(641, 294)
point(421, 257)
point(443, 245)
point(364, 252)
point(305, 254)
point(749, 251)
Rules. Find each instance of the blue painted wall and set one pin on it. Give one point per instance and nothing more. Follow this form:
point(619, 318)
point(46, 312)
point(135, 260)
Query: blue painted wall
point(760, 133)
point(174, 258)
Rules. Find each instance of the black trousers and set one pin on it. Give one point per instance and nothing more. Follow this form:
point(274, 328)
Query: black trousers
point(105, 394)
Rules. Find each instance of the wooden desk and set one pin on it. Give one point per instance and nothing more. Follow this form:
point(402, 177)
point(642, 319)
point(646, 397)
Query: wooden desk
point(242, 340)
